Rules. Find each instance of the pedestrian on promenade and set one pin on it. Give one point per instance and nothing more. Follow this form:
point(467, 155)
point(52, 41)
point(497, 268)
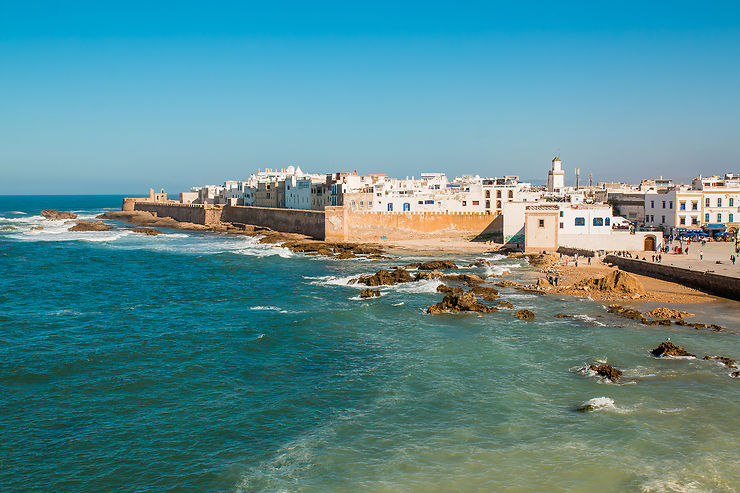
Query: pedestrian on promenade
point(701, 254)
point(732, 259)
point(687, 249)
point(589, 261)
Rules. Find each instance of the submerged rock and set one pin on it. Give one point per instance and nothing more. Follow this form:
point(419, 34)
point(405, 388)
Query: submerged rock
point(55, 215)
point(36, 228)
point(606, 371)
point(8, 228)
point(524, 315)
point(504, 304)
point(667, 348)
point(699, 326)
point(507, 283)
point(730, 363)
point(369, 293)
point(481, 262)
point(456, 302)
point(91, 226)
point(562, 315)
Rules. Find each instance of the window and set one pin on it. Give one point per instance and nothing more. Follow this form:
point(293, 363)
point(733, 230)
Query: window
point(682, 220)
point(706, 202)
point(421, 201)
point(694, 221)
point(694, 206)
point(498, 194)
point(662, 219)
point(406, 207)
point(562, 213)
point(431, 202)
point(719, 202)
point(488, 204)
point(580, 221)
point(670, 204)
point(719, 217)
point(562, 225)
point(652, 204)
point(488, 194)
point(511, 194)
point(682, 206)
point(706, 217)
point(465, 202)
point(607, 221)
point(542, 223)
point(476, 202)
point(390, 207)
point(498, 204)
point(664, 204)
point(598, 221)
point(730, 217)
point(732, 202)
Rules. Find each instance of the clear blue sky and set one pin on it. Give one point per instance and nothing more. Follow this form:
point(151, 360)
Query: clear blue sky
point(112, 97)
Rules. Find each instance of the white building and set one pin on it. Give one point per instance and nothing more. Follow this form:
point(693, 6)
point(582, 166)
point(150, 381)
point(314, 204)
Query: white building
point(556, 177)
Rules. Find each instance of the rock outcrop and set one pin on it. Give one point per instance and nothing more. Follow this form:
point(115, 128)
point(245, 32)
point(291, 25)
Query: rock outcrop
point(90, 226)
point(465, 302)
point(384, 278)
point(504, 304)
point(8, 228)
point(480, 262)
point(485, 292)
point(443, 288)
point(524, 315)
point(536, 259)
point(667, 348)
point(663, 312)
point(36, 228)
point(699, 326)
point(424, 275)
point(617, 282)
point(467, 279)
point(562, 315)
point(146, 231)
point(508, 283)
point(55, 215)
point(433, 265)
point(606, 371)
point(369, 293)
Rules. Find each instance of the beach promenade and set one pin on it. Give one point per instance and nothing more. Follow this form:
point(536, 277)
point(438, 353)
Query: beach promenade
point(713, 252)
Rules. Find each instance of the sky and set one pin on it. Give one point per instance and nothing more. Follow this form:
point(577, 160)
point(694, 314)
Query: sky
point(115, 97)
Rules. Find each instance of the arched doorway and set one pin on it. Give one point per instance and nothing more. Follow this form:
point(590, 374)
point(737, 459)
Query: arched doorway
point(649, 243)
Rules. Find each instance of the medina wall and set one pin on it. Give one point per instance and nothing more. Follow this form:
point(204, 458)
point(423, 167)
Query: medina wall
point(188, 213)
point(343, 224)
point(302, 221)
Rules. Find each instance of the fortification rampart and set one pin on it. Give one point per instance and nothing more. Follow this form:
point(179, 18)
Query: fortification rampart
point(189, 213)
point(373, 226)
point(717, 284)
point(306, 222)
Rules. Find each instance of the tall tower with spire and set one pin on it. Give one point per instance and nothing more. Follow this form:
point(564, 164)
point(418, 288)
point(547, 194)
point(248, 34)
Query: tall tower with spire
point(556, 176)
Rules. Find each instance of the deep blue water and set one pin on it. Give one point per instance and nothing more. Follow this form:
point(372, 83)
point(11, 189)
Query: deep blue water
point(203, 362)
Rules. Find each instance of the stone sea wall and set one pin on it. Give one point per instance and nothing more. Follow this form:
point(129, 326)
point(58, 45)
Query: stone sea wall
point(307, 222)
point(717, 284)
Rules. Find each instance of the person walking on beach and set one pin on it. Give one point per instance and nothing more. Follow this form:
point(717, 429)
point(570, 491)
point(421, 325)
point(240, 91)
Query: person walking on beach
point(732, 259)
point(701, 254)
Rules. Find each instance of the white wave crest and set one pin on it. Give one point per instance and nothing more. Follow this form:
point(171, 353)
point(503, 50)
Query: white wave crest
point(598, 404)
point(268, 308)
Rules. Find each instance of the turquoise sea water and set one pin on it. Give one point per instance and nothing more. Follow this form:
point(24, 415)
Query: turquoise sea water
point(203, 362)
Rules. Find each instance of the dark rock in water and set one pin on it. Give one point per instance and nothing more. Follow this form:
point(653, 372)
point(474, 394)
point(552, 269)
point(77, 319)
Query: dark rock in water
point(485, 292)
point(146, 231)
point(8, 228)
point(55, 215)
point(36, 228)
point(562, 315)
point(506, 283)
point(369, 293)
point(606, 371)
point(424, 275)
point(735, 374)
point(345, 255)
point(437, 264)
point(465, 302)
point(667, 348)
point(664, 321)
point(468, 279)
point(505, 304)
point(625, 312)
point(699, 326)
point(385, 278)
point(524, 315)
point(443, 288)
point(91, 226)
point(730, 363)
point(481, 262)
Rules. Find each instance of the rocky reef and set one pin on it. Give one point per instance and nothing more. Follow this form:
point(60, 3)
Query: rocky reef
point(55, 215)
point(146, 231)
point(90, 226)
point(460, 302)
point(432, 265)
point(524, 315)
point(384, 278)
point(369, 293)
point(606, 371)
point(667, 348)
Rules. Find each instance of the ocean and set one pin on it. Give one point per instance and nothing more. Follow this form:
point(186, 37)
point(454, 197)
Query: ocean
point(204, 362)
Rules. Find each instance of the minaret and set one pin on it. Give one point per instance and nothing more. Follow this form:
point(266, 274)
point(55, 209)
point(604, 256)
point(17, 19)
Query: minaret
point(556, 177)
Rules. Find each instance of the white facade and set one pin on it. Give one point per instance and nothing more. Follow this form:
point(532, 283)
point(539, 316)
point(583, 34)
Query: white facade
point(298, 192)
point(556, 177)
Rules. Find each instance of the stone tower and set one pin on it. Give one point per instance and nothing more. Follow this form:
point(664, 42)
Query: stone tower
point(556, 177)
